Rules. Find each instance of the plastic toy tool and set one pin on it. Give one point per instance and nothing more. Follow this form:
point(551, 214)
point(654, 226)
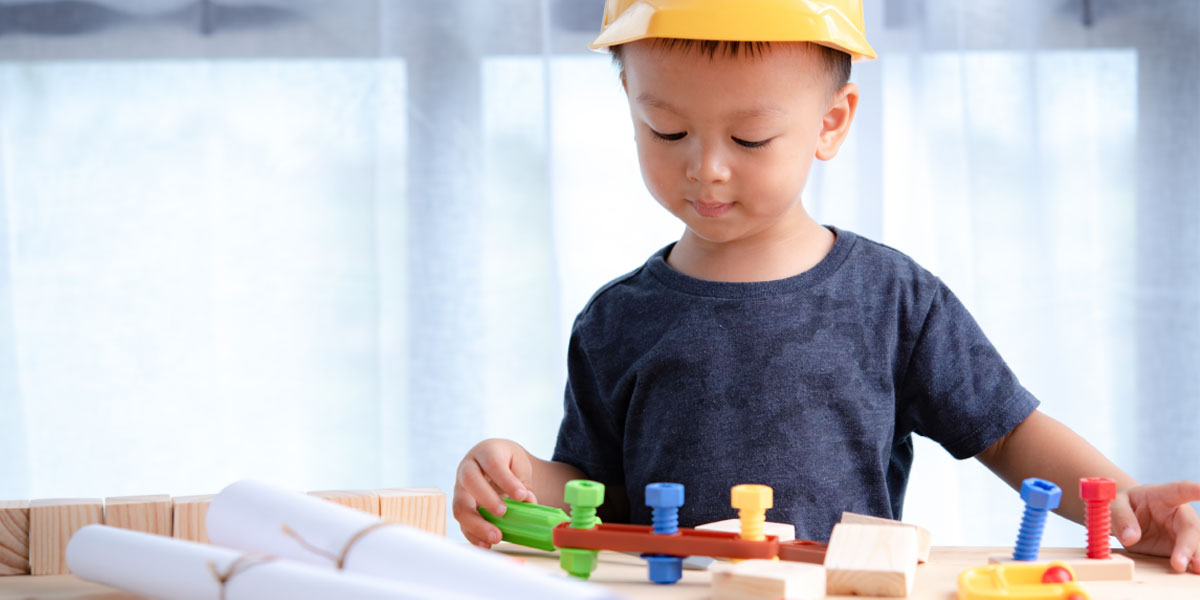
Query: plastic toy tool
point(1015, 581)
point(579, 536)
point(527, 524)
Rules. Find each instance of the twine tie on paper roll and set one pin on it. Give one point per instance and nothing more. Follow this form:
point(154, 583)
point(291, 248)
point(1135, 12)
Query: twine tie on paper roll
point(339, 560)
point(242, 564)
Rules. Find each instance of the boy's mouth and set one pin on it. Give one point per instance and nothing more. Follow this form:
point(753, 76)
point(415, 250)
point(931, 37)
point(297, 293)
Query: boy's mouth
point(710, 211)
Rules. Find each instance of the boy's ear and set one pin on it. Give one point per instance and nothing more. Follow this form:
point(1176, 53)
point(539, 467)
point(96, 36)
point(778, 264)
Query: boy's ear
point(836, 122)
point(624, 83)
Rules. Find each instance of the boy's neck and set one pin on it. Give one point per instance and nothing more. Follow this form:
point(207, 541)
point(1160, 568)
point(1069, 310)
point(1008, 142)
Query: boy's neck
point(759, 258)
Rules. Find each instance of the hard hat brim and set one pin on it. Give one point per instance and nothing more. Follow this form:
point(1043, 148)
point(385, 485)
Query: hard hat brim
point(743, 21)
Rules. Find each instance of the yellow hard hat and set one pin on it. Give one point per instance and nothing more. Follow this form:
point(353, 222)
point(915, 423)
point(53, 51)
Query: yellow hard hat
point(834, 23)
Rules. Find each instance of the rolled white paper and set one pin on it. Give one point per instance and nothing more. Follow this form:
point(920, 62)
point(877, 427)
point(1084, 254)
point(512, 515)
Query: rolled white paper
point(252, 516)
point(162, 567)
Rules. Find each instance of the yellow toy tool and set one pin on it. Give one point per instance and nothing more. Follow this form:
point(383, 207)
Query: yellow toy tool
point(1036, 581)
point(834, 23)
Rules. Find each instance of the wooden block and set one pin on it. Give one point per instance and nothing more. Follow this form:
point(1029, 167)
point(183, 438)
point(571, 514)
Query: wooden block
point(871, 560)
point(150, 514)
point(923, 536)
point(364, 500)
point(767, 580)
point(1117, 567)
point(14, 537)
point(188, 521)
point(786, 532)
point(423, 508)
point(51, 525)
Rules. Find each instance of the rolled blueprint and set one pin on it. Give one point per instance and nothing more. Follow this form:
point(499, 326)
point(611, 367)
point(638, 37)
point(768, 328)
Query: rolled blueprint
point(255, 517)
point(162, 567)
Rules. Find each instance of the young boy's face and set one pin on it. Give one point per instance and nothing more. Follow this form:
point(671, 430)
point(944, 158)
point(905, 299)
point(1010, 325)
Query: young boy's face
point(726, 142)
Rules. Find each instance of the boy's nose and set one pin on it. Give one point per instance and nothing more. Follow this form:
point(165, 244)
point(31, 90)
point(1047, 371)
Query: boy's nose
point(707, 166)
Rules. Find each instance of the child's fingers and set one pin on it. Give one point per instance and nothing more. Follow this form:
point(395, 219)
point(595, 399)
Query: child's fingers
point(499, 468)
point(1178, 492)
point(1124, 521)
point(477, 486)
point(1187, 539)
point(474, 527)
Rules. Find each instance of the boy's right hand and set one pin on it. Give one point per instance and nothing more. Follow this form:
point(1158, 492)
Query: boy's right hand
point(491, 471)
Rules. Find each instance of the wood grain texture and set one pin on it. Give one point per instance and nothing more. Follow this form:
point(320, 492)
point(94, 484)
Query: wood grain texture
point(924, 538)
point(1114, 568)
point(365, 500)
point(871, 560)
point(188, 519)
point(14, 537)
point(149, 514)
point(52, 522)
point(767, 580)
point(423, 508)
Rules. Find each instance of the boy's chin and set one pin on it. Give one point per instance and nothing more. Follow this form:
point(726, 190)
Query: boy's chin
point(713, 233)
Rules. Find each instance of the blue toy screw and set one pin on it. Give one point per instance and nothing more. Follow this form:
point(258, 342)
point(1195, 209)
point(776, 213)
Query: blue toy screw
point(665, 500)
point(1040, 496)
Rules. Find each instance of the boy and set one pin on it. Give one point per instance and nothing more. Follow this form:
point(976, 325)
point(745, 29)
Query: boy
point(763, 347)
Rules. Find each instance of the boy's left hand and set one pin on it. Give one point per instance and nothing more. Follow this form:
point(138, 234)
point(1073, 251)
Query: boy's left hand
point(1157, 519)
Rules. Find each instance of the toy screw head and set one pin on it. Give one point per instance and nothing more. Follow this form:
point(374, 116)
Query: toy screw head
point(584, 493)
point(664, 495)
point(750, 496)
point(1097, 488)
point(1039, 493)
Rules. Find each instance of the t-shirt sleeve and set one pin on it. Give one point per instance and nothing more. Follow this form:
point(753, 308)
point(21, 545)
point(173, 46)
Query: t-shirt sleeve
point(590, 436)
point(957, 389)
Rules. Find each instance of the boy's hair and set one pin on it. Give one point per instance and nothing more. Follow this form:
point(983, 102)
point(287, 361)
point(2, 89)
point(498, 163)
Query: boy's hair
point(837, 63)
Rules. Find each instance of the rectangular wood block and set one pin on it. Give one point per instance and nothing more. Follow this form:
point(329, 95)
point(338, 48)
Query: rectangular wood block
point(51, 525)
point(924, 539)
point(14, 537)
point(423, 508)
point(1117, 567)
point(871, 560)
point(767, 580)
point(364, 500)
point(150, 514)
point(188, 521)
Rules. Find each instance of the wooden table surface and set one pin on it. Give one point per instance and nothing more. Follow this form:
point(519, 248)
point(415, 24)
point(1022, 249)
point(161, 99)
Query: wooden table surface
point(626, 574)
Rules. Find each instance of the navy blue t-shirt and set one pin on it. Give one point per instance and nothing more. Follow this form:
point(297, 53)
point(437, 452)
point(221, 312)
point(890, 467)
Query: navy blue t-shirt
point(812, 385)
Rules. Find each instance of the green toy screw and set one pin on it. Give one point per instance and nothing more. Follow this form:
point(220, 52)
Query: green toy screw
point(584, 497)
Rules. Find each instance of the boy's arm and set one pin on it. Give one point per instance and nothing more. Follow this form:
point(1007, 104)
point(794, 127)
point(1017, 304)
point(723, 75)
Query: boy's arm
point(1152, 519)
point(1043, 447)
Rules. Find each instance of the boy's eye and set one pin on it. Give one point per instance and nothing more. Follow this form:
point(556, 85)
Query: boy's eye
point(749, 144)
point(670, 137)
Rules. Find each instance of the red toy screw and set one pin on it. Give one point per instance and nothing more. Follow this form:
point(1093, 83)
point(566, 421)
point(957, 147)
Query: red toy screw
point(1097, 492)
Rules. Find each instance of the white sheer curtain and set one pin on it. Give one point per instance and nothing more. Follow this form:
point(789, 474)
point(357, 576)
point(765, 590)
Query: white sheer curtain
point(333, 245)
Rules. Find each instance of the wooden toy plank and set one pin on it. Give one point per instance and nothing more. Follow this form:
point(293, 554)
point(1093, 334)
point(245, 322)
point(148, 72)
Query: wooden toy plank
point(364, 500)
point(52, 522)
point(871, 560)
point(150, 514)
point(786, 532)
point(14, 537)
point(188, 521)
point(923, 535)
point(767, 580)
point(423, 508)
point(1117, 567)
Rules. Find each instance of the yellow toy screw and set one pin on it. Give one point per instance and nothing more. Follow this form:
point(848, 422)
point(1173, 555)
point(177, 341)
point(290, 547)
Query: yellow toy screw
point(752, 502)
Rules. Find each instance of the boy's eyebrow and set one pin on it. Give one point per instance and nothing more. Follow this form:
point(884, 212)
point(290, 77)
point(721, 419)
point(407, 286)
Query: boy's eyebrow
point(754, 111)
